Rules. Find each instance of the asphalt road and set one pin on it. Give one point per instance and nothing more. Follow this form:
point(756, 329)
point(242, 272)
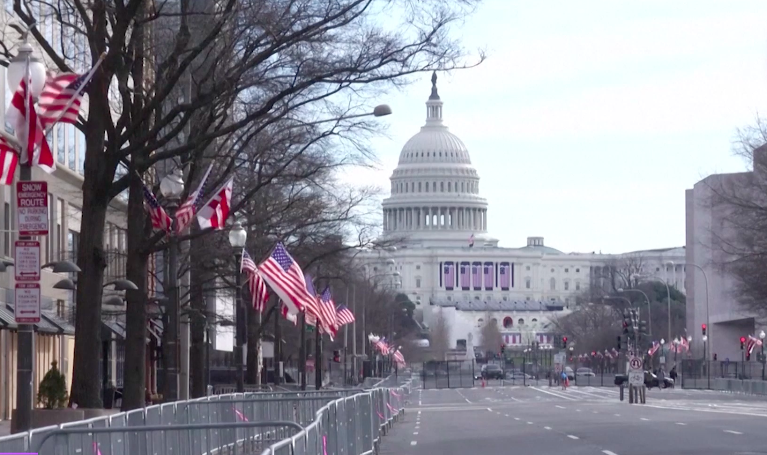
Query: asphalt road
point(579, 421)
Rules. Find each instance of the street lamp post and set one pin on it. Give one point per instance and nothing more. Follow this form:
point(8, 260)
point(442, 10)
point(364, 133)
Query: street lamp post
point(171, 187)
point(237, 238)
point(24, 61)
point(705, 279)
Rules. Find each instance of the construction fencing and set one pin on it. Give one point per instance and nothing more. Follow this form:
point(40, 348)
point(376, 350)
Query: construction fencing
point(348, 421)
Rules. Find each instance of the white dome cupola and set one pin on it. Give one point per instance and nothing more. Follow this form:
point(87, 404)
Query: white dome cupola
point(435, 197)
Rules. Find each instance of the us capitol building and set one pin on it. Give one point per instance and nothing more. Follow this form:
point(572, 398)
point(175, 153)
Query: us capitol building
point(445, 261)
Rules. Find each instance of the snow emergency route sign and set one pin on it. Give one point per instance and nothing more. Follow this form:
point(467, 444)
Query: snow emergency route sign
point(32, 208)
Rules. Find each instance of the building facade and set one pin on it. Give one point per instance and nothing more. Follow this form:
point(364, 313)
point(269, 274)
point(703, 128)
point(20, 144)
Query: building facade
point(447, 264)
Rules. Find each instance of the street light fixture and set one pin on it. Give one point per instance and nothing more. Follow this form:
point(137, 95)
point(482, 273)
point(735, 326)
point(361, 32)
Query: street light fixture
point(18, 66)
point(382, 110)
point(237, 238)
point(172, 185)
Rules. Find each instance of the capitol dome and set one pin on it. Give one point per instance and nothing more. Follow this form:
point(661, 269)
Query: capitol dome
point(435, 197)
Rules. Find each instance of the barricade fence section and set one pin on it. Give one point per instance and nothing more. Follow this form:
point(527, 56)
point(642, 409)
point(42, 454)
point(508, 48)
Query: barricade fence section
point(248, 423)
point(725, 375)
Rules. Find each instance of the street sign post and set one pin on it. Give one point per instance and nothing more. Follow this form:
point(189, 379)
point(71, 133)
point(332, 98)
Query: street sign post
point(32, 208)
point(636, 374)
point(26, 257)
point(27, 304)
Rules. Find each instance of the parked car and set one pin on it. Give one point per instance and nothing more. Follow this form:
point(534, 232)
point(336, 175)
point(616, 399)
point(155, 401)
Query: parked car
point(517, 374)
point(491, 371)
point(650, 380)
point(585, 372)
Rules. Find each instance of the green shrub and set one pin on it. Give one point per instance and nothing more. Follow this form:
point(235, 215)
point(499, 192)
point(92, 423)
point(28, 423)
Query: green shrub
point(52, 392)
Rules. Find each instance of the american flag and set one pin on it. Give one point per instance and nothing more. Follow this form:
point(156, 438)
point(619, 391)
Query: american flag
point(751, 343)
point(9, 160)
point(465, 277)
point(185, 213)
point(214, 213)
point(488, 274)
point(399, 358)
point(505, 276)
point(344, 315)
point(287, 314)
point(256, 285)
point(29, 129)
point(328, 313)
point(61, 97)
point(247, 264)
point(476, 276)
point(160, 219)
point(449, 276)
point(258, 291)
point(286, 279)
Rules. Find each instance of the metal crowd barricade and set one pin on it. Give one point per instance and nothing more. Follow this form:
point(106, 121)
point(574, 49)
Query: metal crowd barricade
point(352, 425)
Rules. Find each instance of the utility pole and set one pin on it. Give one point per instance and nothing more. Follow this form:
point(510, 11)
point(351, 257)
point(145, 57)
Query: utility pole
point(302, 352)
point(277, 344)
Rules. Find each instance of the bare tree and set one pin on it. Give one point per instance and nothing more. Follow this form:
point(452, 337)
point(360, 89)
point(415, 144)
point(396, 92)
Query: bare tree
point(439, 337)
point(192, 82)
point(593, 327)
point(490, 334)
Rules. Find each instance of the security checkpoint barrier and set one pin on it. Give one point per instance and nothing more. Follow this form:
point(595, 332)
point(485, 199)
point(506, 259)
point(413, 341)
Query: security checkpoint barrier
point(346, 421)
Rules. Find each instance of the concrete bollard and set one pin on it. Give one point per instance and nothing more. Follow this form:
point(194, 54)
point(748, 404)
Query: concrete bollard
point(621, 389)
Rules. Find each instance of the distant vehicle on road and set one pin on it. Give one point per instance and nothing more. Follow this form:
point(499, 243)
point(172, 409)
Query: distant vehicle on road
point(650, 380)
point(585, 372)
point(491, 371)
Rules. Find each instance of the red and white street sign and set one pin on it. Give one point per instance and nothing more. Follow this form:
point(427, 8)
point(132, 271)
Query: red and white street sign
point(32, 207)
point(27, 260)
point(27, 304)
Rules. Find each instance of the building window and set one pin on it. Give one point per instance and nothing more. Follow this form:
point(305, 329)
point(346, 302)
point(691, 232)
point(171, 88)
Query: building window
point(577, 270)
point(527, 283)
point(567, 270)
point(441, 187)
point(577, 285)
point(534, 321)
point(567, 285)
point(480, 322)
point(552, 270)
point(418, 282)
point(419, 187)
point(521, 321)
point(418, 267)
point(72, 158)
point(60, 150)
point(508, 322)
point(553, 284)
point(505, 298)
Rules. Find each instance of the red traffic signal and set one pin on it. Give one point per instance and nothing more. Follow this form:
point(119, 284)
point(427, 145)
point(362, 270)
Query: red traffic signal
point(703, 328)
point(742, 343)
point(742, 339)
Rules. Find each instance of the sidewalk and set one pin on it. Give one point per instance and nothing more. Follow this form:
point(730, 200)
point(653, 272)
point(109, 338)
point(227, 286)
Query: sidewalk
point(5, 427)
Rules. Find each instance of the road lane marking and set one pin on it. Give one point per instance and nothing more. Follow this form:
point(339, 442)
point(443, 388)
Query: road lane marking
point(595, 412)
point(558, 395)
point(506, 415)
point(680, 423)
point(415, 433)
point(516, 418)
point(412, 443)
point(617, 415)
point(489, 409)
point(547, 428)
point(462, 396)
point(560, 407)
point(572, 437)
point(419, 412)
point(732, 432)
point(529, 423)
point(643, 418)
point(609, 452)
point(577, 410)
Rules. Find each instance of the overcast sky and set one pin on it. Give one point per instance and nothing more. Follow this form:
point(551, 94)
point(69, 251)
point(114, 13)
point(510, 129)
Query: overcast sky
point(589, 119)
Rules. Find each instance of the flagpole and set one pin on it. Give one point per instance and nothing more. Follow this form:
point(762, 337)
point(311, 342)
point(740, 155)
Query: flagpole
point(317, 356)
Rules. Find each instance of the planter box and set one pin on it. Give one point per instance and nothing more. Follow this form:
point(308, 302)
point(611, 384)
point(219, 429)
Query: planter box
point(47, 417)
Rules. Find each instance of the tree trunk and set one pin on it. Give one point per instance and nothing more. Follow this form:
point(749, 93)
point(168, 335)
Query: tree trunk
point(86, 375)
point(99, 172)
point(134, 375)
point(197, 361)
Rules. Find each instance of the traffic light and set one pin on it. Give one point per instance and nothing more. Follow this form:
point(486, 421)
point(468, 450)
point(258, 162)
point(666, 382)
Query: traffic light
point(703, 329)
point(620, 343)
point(715, 357)
point(643, 327)
point(742, 343)
point(337, 356)
point(503, 348)
point(564, 342)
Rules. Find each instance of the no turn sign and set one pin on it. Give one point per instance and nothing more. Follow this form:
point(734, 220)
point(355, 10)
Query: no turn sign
point(635, 363)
